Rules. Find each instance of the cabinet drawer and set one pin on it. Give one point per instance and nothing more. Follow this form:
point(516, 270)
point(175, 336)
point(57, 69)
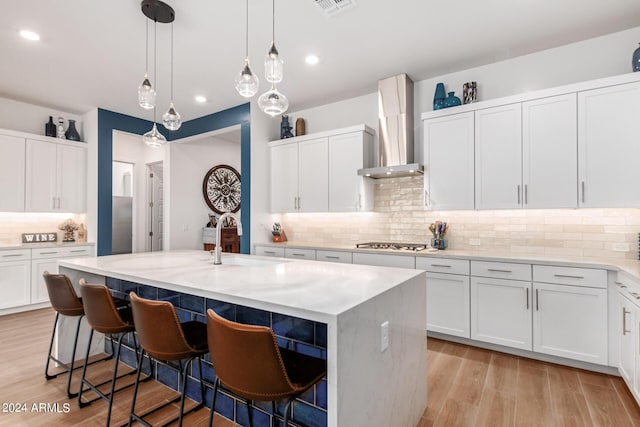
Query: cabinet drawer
point(300, 253)
point(590, 277)
point(334, 256)
point(269, 251)
point(381, 260)
point(443, 265)
point(501, 270)
point(15, 255)
point(624, 281)
point(74, 251)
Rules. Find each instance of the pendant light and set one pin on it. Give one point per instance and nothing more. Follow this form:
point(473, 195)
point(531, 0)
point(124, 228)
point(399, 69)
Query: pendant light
point(146, 93)
point(246, 81)
point(273, 102)
point(153, 138)
point(171, 119)
point(273, 64)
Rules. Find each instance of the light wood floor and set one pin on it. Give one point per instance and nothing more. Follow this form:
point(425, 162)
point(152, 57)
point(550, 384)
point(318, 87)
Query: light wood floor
point(467, 387)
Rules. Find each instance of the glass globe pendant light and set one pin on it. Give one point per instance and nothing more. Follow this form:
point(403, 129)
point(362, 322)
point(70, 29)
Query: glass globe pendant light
point(153, 138)
point(246, 82)
point(273, 102)
point(146, 93)
point(171, 119)
point(273, 64)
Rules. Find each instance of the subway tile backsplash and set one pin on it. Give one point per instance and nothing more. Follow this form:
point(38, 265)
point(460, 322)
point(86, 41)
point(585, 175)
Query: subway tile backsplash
point(399, 215)
point(13, 224)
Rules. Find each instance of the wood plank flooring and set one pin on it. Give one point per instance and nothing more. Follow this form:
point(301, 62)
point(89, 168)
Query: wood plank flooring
point(467, 386)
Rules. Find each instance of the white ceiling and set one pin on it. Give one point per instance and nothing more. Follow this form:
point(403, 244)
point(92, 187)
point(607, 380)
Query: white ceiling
point(92, 52)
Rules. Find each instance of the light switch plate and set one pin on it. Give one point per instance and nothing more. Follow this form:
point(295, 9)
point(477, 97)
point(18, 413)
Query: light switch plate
point(384, 336)
point(621, 247)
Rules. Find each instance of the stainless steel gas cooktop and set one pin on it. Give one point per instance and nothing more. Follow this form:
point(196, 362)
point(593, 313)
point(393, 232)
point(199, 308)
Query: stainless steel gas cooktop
point(390, 245)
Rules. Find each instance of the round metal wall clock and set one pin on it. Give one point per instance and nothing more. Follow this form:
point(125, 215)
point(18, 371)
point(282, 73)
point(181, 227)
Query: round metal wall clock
point(221, 189)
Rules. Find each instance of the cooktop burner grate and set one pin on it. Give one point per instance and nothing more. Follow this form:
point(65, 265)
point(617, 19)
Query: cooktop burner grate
point(391, 245)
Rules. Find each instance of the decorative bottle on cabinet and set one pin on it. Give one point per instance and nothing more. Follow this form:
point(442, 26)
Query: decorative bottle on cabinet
point(72, 134)
point(451, 100)
point(635, 60)
point(50, 128)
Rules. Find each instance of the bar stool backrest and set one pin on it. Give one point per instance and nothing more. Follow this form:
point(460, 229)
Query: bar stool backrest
point(100, 310)
point(63, 297)
point(159, 329)
point(247, 359)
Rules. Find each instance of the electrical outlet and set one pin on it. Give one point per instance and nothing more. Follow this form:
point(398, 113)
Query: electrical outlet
point(384, 336)
point(621, 247)
point(474, 242)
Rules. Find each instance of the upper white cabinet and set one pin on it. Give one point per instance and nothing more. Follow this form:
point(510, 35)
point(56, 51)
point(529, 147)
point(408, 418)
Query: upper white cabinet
point(12, 173)
point(498, 161)
point(449, 162)
point(608, 146)
point(347, 190)
point(318, 173)
point(549, 152)
point(55, 177)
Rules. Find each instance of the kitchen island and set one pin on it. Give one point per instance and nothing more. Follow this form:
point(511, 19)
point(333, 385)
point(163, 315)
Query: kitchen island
point(327, 310)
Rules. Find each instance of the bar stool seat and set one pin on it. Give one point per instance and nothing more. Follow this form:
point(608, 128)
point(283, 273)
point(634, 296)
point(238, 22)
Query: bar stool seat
point(104, 316)
point(165, 339)
point(64, 301)
point(249, 363)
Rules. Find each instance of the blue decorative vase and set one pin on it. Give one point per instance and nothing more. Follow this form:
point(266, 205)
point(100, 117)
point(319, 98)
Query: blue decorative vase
point(72, 133)
point(451, 100)
point(635, 62)
point(439, 97)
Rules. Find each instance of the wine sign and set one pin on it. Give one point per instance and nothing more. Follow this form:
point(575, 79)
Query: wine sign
point(39, 237)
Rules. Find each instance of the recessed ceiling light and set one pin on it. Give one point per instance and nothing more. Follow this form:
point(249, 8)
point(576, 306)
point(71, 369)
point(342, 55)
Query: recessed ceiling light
point(201, 99)
point(311, 59)
point(30, 35)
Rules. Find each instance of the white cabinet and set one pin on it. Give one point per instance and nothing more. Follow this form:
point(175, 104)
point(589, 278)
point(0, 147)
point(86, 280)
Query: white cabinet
point(297, 253)
point(500, 312)
point(299, 176)
point(349, 192)
point(55, 177)
point(627, 364)
point(46, 259)
point(15, 274)
point(12, 173)
point(449, 162)
point(334, 256)
point(608, 146)
point(498, 157)
point(549, 152)
point(269, 251)
point(448, 304)
point(383, 260)
point(571, 322)
point(318, 173)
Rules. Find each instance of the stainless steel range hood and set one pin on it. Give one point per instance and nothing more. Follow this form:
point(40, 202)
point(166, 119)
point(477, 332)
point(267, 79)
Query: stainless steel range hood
point(395, 130)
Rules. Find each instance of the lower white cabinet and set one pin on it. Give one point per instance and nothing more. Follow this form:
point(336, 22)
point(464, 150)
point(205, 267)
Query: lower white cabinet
point(295, 253)
point(571, 322)
point(334, 256)
point(15, 274)
point(384, 260)
point(269, 251)
point(46, 259)
point(627, 324)
point(500, 312)
point(448, 304)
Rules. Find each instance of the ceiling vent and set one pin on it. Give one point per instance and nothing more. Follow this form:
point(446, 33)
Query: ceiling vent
point(333, 7)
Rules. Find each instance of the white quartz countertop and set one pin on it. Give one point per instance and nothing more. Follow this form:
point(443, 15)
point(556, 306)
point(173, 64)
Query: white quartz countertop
point(44, 245)
point(308, 289)
point(617, 264)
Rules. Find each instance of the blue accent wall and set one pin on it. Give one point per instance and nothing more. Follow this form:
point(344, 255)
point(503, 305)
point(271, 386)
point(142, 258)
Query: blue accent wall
point(108, 121)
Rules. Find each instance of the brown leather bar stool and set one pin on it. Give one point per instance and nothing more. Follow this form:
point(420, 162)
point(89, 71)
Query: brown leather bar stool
point(249, 363)
point(65, 301)
point(164, 338)
point(105, 317)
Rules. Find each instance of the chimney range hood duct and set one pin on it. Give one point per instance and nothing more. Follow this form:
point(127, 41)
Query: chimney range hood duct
point(395, 130)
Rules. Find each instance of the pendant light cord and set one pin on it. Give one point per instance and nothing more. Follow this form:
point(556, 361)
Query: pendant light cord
point(172, 62)
point(247, 31)
point(155, 61)
point(146, 46)
point(273, 21)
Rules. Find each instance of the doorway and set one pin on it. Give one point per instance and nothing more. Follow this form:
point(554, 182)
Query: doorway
point(155, 187)
point(122, 208)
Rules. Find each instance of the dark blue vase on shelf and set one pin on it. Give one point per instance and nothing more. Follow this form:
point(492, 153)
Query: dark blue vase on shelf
point(72, 133)
point(439, 97)
point(451, 100)
point(635, 61)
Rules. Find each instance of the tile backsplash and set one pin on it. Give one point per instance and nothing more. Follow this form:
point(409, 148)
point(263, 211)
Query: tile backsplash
point(13, 224)
point(399, 216)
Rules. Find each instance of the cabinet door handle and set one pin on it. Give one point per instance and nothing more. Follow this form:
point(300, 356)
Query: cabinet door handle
point(497, 270)
point(624, 321)
point(360, 201)
point(298, 202)
point(526, 192)
point(58, 202)
point(568, 276)
point(441, 265)
point(77, 251)
point(295, 203)
point(518, 193)
point(270, 252)
point(582, 184)
point(527, 298)
point(537, 300)
point(331, 257)
point(11, 255)
point(297, 254)
point(48, 253)
point(53, 203)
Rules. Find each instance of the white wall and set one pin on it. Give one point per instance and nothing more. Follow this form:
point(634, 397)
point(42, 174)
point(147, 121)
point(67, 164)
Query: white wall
point(31, 118)
point(122, 179)
point(90, 136)
point(129, 148)
point(186, 210)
